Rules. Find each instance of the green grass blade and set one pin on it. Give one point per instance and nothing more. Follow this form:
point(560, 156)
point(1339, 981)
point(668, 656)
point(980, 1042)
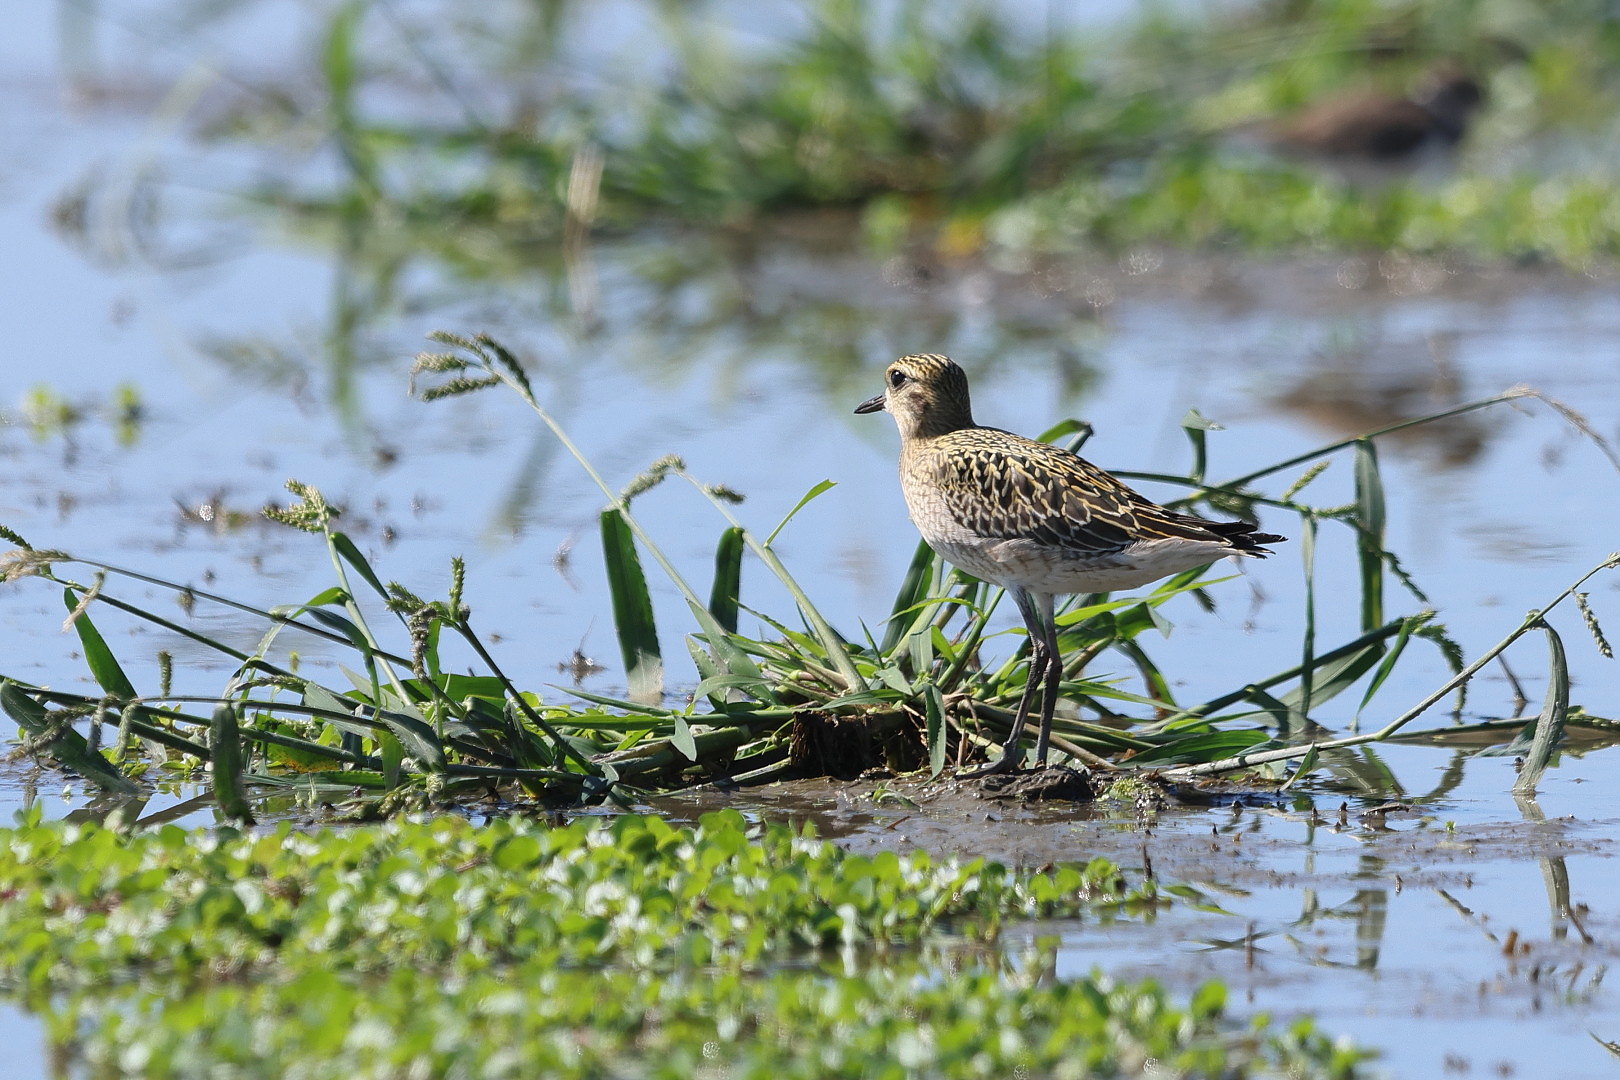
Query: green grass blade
point(1197, 748)
point(415, 735)
point(1197, 429)
point(1387, 665)
point(1071, 426)
point(226, 739)
point(104, 666)
point(755, 687)
point(632, 608)
point(724, 597)
point(1307, 765)
point(1332, 656)
point(1187, 581)
point(1333, 676)
point(837, 651)
point(1549, 731)
point(1285, 713)
point(640, 708)
point(934, 716)
point(1307, 646)
point(1370, 533)
point(830, 639)
point(351, 555)
point(340, 624)
point(920, 649)
point(727, 650)
point(681, 738)
point(1157, 686)
point(914, 589)
point(64, 744)
point(824, 486)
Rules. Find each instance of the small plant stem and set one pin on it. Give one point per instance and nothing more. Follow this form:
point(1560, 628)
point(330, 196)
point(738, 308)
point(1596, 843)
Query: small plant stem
point(136, 727)
point(1343, 444)
point(1531, 621)
point(1114, 741)
point(172, 627)
point(836, 650)
point(659, 756)
point(223, 601)
point(968, 644)
point(464, 628)
point(1322, 659)
point(179, 742)
point(711, 625)
point(372, 651)
point(1235, 487)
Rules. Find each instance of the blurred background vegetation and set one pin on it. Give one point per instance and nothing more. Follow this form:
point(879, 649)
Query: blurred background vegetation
point(484, 133)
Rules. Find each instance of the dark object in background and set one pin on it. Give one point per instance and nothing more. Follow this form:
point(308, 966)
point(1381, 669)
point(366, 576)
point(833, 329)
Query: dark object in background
point(1375, 127)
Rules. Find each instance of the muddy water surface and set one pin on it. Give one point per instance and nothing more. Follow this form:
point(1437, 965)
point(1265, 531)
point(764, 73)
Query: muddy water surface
point(1465, 935)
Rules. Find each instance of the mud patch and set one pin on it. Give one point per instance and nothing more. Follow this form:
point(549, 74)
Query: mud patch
point(1054, 782)
point(1237, 845)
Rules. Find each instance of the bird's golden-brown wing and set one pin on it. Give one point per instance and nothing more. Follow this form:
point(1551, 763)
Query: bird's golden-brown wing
point(1003, 486)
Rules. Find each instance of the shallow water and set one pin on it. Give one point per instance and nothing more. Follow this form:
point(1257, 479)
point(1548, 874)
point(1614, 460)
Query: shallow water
point(748, 368)
point(1392, 929)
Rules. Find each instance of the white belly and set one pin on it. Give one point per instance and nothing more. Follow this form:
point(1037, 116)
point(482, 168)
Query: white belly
point(1042, 569)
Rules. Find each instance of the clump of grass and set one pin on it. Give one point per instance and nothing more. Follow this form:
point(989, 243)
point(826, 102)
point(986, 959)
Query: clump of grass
point(802, 698)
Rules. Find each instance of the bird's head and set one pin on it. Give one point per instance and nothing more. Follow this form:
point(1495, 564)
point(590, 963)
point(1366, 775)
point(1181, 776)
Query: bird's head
point(927, 394)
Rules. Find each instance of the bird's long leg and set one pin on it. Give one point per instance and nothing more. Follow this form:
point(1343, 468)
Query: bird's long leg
point(1031, 608)
point(1052, 676)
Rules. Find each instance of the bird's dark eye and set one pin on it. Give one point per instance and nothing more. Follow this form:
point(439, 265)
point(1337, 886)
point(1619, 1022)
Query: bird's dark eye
point(897, 379)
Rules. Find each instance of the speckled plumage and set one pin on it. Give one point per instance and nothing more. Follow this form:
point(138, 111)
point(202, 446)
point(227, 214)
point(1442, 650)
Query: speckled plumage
point(1031, 517)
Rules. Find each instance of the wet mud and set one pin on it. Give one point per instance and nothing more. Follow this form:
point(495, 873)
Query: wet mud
point(1015, 820)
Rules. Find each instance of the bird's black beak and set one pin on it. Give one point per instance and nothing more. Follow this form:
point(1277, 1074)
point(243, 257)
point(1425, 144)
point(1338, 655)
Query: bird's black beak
point(870, 405)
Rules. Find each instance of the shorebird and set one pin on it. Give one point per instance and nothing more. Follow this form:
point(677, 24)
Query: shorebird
point(1035, 519)
point(1374, 127)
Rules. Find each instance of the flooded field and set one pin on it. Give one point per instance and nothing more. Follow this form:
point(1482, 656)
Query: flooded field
point(181, 347)
point(1460, 934)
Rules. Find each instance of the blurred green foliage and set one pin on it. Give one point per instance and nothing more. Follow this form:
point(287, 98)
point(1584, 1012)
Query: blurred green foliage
point(961, 127)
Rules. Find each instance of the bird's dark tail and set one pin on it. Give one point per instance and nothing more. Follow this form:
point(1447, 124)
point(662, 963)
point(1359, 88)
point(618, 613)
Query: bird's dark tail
point(1241, 535)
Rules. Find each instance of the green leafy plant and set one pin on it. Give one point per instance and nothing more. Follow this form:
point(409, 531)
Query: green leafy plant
point(595, 948)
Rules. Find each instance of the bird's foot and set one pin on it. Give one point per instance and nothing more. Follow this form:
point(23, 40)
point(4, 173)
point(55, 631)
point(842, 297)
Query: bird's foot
point(1008, 762)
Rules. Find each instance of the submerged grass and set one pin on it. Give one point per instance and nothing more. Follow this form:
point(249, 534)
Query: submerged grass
point(623, 947)
point(802, 698)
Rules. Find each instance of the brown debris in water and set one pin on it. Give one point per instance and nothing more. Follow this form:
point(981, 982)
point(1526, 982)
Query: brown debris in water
point(1058, 782)
point(824, 744)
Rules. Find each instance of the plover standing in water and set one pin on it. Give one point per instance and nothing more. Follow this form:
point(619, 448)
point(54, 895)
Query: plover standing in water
point(1035, 519)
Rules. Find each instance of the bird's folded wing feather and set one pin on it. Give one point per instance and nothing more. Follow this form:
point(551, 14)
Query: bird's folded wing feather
point(1047, 495)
